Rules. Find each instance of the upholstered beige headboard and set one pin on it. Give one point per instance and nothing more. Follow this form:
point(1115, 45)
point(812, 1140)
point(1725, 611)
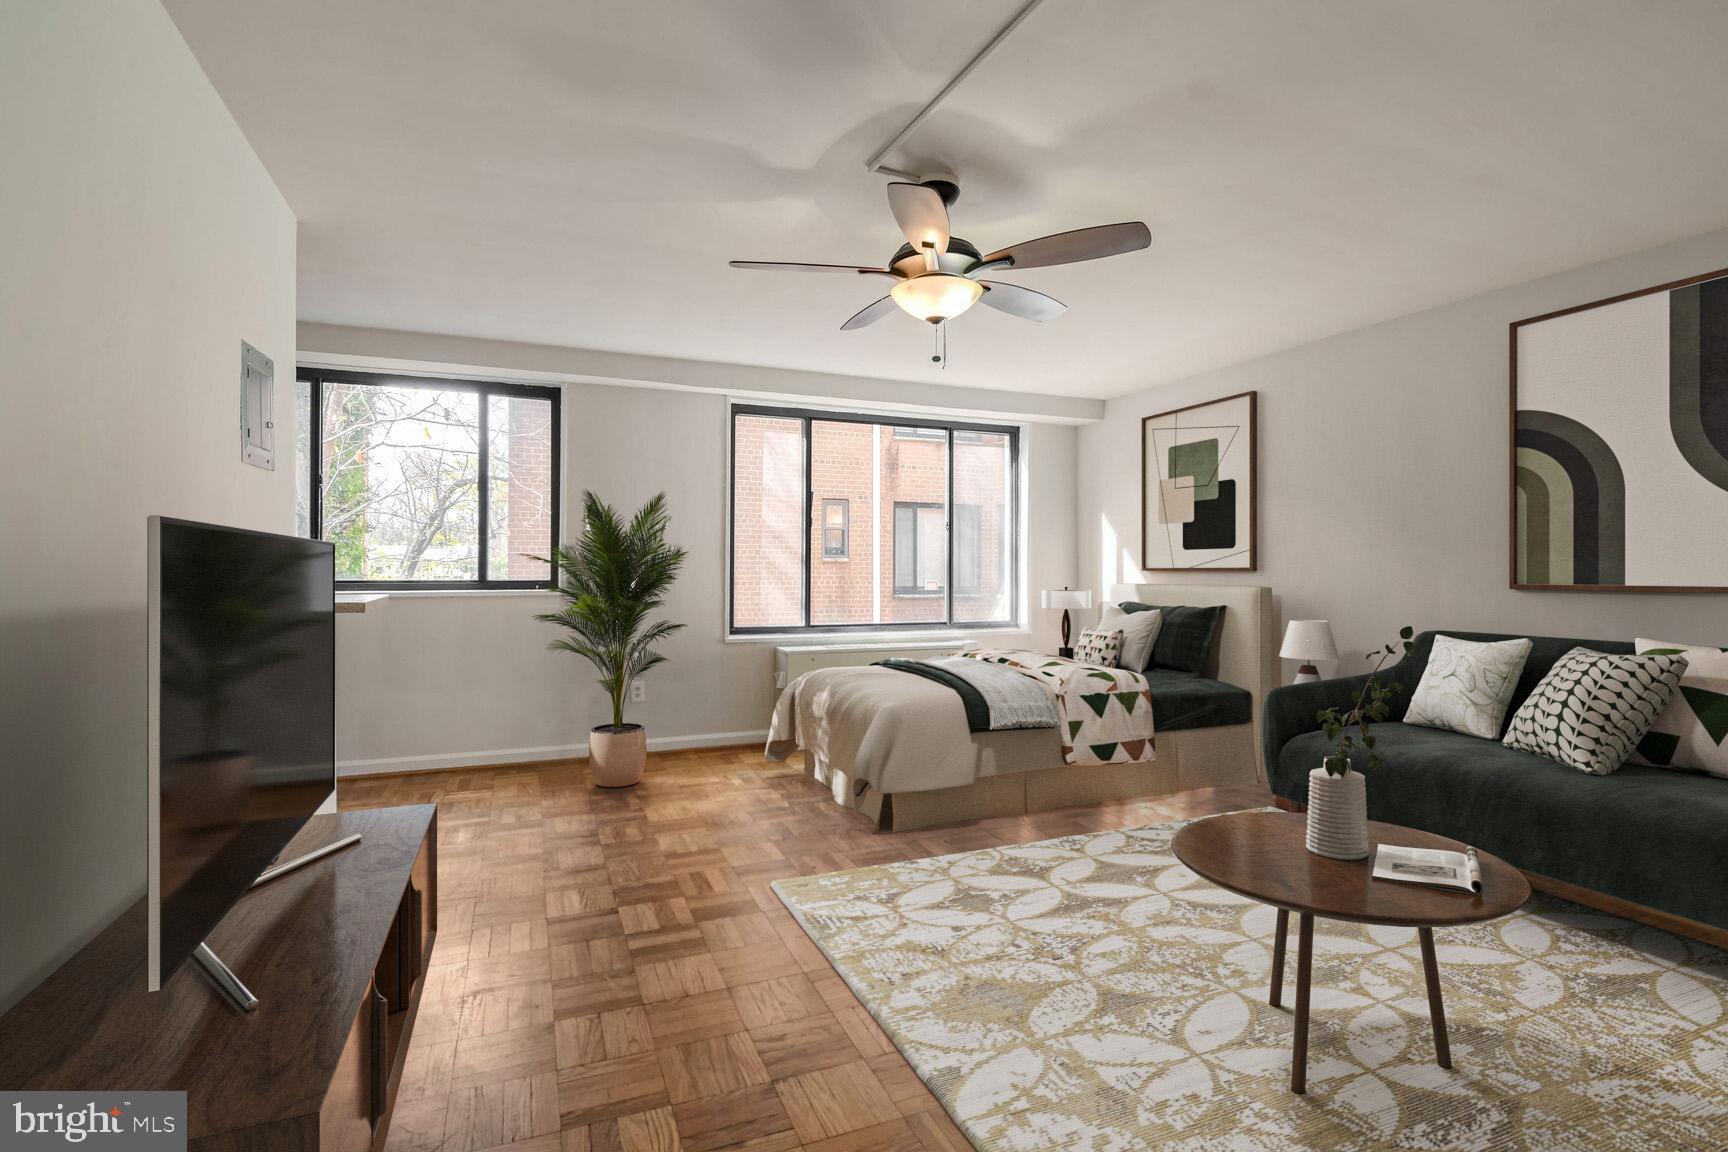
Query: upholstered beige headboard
point(1247, 654)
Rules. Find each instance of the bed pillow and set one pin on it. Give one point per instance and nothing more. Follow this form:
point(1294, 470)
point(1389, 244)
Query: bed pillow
point(1185, 638)
point(1692, 732)
point(1100, 647)
point(1467, 685)
point(1591, 709)
point(1139, 631)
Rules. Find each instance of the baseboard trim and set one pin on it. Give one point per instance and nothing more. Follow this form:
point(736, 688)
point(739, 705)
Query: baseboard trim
point(506, 757)
point(704, 740)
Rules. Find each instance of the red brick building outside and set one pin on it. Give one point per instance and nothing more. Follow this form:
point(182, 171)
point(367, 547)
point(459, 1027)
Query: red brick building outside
point(521, 491)
point(880, 524)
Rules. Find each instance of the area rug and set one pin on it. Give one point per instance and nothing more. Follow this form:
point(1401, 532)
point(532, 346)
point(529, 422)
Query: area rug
point(1091, 993)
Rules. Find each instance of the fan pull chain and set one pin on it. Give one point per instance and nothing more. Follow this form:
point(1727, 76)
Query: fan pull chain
point(940, 356)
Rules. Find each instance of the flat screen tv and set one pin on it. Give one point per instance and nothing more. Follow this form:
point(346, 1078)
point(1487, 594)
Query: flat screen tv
point(242, 717)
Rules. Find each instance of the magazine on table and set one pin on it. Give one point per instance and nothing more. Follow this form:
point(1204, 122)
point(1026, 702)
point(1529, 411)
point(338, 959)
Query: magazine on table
point(1459, 870)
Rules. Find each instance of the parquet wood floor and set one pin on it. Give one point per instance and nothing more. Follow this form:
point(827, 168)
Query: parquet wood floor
point(613, 973)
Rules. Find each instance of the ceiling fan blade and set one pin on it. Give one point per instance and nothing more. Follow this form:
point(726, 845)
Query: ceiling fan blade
point(1021, 302)
point(1072, 247)
point(787, 266)
point(920, 213)
point(870, 315)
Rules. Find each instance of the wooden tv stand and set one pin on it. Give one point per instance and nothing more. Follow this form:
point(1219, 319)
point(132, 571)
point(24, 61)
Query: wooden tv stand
point(336, 953)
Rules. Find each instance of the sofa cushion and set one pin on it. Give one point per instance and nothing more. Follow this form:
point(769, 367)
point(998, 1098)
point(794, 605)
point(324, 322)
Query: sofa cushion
point(1183, 701)
point(1099, 646)
point(1692, 732)
point(1467, 685)
point(1186, 635)
point(1648, 835)
point(1592, 708)
point(1139, 632)
point(1544, 651)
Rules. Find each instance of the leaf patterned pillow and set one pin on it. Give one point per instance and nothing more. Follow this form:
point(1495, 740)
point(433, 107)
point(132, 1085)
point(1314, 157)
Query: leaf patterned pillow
point(1692, 732)
point(1099, 647)
point(1591, 709)
point(1467, 685)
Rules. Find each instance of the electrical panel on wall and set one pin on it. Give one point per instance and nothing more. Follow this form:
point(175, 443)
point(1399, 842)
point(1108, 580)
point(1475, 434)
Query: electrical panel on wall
point(257, 408)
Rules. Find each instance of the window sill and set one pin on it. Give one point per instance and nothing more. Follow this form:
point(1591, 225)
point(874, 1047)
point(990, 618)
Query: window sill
point(361, 601)
point(866, 639)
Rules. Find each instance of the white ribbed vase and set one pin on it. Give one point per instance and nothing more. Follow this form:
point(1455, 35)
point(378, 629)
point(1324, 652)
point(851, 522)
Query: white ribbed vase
point(1338, 814)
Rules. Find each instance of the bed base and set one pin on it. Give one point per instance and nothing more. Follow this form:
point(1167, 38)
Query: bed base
point(1189, 758)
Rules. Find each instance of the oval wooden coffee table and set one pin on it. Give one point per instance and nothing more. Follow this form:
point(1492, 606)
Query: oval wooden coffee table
point(1264, 856)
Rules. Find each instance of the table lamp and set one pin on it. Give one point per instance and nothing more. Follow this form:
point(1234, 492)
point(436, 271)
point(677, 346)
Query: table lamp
point(1308, 641)
point(1066, 598)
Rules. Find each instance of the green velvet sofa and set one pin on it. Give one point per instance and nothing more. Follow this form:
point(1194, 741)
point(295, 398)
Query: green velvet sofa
point(1652, 836)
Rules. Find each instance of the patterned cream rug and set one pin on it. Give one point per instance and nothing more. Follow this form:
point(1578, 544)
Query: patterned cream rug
point(1091, 993)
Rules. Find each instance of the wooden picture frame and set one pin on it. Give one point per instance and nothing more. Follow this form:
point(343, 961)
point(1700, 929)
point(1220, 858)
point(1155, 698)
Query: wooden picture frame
point(1592, 544)
point(1213, 535)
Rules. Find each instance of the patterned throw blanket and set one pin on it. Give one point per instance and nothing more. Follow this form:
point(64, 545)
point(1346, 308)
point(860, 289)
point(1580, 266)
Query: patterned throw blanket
point(996, 699)
point(1105, 714)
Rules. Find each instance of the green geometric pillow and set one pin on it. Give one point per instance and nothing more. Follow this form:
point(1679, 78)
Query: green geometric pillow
point(1692, 732)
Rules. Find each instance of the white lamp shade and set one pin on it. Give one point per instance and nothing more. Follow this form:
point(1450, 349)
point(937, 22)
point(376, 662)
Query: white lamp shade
point(1068, 598)
point(936, 296)
point(1309, 640)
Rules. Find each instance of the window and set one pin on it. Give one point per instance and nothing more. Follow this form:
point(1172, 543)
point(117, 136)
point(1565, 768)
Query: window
point(924, 514)
point(919, 568)
point(920, 550)
point(427, 483)
point(968, 549)
point(835, 515)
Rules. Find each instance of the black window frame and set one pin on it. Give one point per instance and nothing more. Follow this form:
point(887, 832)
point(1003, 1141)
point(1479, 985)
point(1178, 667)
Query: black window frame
point(844, 528)
point(316, 377)
point(951, 430)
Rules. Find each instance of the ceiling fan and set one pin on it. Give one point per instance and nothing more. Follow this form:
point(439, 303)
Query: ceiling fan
point(937, 275)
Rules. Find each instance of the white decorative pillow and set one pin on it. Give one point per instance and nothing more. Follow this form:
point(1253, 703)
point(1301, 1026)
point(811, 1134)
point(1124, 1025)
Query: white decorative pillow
point(1467, 685)
point(1591, 709)
point(1692, 732)
point(1139, 632)
point(1100, 647)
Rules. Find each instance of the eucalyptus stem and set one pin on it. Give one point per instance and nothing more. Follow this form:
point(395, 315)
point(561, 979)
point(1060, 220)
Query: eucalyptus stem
point(1373, 704)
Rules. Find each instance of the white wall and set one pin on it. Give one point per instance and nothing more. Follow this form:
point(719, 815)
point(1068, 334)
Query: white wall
point(1382, 474)
point(431, 681)
point(142, 242)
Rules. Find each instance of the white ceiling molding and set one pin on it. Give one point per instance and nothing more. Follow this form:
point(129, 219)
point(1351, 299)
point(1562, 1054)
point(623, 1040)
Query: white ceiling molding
point(461, 357)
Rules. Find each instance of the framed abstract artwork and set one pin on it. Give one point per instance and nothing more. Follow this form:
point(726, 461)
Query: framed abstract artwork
point(1197, 487)
point(1619, 443)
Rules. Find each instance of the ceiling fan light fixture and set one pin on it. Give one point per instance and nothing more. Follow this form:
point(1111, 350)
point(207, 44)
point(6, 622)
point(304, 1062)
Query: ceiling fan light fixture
point(936, 296)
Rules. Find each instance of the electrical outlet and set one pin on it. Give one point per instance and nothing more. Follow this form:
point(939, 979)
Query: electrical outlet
point(638, 692)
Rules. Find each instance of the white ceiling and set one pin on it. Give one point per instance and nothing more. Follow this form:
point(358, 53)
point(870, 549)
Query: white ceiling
point(578, 173)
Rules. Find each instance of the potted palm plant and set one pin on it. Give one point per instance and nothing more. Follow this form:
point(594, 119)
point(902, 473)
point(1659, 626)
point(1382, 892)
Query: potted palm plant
point(612, 580)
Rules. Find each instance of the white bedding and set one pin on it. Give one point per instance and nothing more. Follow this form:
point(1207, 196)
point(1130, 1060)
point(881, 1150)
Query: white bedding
point(892, 730)
point(898, 732)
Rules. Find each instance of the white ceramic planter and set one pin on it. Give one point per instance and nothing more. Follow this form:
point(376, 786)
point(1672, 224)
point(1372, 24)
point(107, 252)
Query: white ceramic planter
point(1338, 814)
point(616, 756)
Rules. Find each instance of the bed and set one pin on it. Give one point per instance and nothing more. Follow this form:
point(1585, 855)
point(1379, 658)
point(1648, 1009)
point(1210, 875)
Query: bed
point(899, 748)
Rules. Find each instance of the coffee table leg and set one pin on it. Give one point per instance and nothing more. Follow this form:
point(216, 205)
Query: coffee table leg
point(1277, 997)
point(1436, 1010)
point(1304, 970)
